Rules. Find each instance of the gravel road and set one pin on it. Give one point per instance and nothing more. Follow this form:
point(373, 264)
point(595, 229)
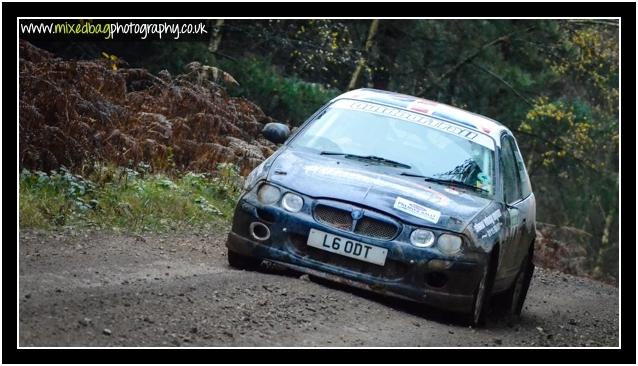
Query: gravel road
point(92, 288)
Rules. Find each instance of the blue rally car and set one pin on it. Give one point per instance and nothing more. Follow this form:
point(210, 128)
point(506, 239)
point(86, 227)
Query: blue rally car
point(395, 194)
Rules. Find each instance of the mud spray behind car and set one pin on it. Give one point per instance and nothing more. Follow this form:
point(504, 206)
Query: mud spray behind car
point(398, 195)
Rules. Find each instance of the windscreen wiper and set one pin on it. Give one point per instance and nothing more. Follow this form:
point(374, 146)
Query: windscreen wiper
point(446, 181)
point(374, 158)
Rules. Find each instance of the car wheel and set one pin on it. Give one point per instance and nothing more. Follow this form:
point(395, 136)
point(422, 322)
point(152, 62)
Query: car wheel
point(241, 261)
point(520, 287)
point(511, 301)
point(481, 295)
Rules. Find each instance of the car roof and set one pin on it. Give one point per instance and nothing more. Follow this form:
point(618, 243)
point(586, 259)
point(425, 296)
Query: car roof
point(438, 110)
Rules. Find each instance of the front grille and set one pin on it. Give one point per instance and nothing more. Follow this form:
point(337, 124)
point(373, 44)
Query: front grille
point(334, 217)
point(375, 228)
point(366, 226)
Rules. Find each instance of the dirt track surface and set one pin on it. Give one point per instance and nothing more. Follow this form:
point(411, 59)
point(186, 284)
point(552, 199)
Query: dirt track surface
point(108, 289)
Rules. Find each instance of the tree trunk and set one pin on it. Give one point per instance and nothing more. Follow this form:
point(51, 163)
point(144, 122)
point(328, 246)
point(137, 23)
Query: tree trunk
point(605, 241)
point(216, 36)
point(366, 49)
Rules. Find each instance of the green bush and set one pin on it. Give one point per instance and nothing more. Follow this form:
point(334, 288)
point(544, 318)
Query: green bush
point(286, 99)
point(124, 198)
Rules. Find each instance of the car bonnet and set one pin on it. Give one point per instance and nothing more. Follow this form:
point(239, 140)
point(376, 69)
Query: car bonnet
point(381, 188)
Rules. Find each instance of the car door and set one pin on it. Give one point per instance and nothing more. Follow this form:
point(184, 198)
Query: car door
point(526, 207)
point(513, 200)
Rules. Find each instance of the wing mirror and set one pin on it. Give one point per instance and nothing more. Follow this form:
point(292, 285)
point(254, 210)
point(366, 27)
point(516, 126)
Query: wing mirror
point(276, 132)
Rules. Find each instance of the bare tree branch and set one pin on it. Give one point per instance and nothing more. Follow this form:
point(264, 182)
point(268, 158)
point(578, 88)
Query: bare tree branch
point(608, 23)
point(474, 54)
point(226, 56)
point(504, 82)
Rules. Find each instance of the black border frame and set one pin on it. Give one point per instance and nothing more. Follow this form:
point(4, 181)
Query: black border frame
point(626, 354)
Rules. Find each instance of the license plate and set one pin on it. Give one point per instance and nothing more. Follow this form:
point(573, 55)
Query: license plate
point(347, 247)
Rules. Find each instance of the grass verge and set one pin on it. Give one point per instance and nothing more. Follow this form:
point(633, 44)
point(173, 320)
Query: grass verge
point(127, 199)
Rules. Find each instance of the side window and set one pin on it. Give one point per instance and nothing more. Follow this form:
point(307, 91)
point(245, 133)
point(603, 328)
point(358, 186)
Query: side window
point(526, 187)
point(509, 172)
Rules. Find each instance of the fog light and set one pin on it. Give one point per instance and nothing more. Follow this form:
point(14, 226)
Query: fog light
point(292, 202)
point(449, 244)
point(259, 231)
point(422, 238)
point(268, 194)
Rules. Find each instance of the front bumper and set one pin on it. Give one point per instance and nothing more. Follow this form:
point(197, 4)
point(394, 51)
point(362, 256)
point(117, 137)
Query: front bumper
point(417, 274)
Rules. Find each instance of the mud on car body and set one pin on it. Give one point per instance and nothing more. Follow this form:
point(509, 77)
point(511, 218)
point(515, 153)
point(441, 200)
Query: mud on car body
point(398, 195)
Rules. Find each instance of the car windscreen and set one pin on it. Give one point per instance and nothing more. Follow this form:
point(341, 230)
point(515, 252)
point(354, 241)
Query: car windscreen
point(430, 147)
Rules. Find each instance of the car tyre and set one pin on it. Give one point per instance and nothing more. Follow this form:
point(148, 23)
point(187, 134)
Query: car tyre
point(510, 303)
point(481, 297)
point(518, 292)
point(241, 261)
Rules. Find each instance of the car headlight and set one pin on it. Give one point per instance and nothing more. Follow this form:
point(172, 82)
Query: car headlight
point(257, 174)
point(449, 244)
point(268, 194)
point(292, 202)
point(250, 180)
point(422, 238)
